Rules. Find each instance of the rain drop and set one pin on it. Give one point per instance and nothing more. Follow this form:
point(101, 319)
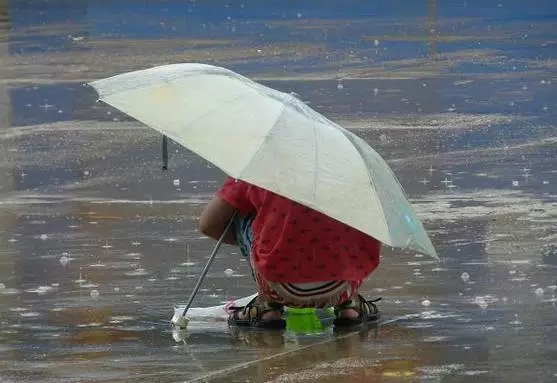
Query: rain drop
point(465, 276)
point(43, 237)
point(95, 294)
point(426, 302)
point(43, 290)
point(340, 86)
point(176, 182)
point(64, 261)
point(480, 301)
point(228, 272)
point(515, 183)
point(539, 292)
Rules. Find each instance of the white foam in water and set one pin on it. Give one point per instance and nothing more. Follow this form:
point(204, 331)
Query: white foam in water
point(137, 272)
point(481, 302)
point(135, 243)
point(188, 264)
point(9, 291)
point(228, 272)
point(426, 303)
point(94, 294)
point(12, 240)
point(44, 237)
point(41, 290)
point(121, 318)
point(30, 314)
point(539, 292)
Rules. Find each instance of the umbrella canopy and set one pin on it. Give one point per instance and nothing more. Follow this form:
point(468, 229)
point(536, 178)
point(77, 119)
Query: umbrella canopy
point(273, 140)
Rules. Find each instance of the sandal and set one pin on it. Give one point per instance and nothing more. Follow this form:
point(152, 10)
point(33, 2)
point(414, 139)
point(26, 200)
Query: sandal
point(368, 312)
point(250, 315)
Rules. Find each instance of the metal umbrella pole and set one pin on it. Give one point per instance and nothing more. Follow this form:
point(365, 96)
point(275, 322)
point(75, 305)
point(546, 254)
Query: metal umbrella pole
point(209, 262)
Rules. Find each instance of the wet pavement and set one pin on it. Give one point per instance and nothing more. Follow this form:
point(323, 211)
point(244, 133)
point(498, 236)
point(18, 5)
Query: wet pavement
point(98, 244)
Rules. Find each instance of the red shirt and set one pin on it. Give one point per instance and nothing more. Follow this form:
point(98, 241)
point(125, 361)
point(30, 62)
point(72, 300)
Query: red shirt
point(293, 243)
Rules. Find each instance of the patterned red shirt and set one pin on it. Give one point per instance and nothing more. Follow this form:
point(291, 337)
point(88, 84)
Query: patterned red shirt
point(295, 244)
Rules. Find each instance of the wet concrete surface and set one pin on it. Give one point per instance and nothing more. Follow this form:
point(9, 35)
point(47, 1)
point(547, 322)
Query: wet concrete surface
point(98, 244)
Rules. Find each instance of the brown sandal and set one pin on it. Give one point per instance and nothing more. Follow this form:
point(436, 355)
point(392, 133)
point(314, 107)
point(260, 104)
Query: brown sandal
point(250, 315)
point(368, 312)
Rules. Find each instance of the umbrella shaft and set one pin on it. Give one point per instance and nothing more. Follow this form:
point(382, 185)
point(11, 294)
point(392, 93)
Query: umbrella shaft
point(209, 262)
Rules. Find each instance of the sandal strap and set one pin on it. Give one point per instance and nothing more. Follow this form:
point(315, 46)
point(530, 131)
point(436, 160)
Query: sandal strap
point(255, 308)
point(359, 304)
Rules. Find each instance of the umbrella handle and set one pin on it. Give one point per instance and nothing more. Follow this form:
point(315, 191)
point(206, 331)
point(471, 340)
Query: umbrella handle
point(164, 152)
point(209, 262)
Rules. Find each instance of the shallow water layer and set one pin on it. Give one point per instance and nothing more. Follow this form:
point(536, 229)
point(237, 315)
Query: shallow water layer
point(98, 244)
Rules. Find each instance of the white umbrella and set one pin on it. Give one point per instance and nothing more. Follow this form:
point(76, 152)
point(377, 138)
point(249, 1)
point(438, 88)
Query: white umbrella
point(273, 140)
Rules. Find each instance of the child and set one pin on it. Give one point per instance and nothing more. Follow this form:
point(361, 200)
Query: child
point(299, 257)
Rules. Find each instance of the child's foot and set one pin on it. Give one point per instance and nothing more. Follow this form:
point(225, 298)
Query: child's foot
point(355, 312)
point(258, 313)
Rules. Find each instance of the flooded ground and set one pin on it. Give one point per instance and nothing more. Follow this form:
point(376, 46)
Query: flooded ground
point(98, 244)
